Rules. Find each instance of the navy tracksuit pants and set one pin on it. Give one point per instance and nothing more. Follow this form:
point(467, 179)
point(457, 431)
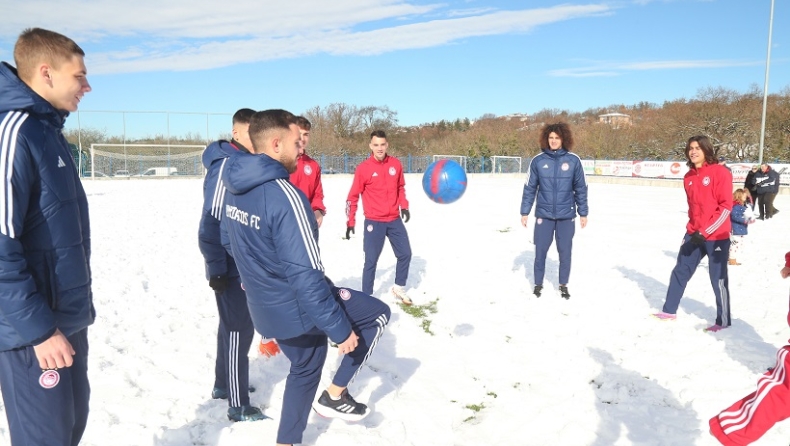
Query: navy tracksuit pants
point(546, 230)
point(373, 243)
point(234, 337)
point(690, 255)
point(46, 408)
point(307, 353)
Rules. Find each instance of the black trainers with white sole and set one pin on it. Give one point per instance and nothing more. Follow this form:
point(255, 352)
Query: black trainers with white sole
point(564, 292)
point(538, 289)
point(344, 408)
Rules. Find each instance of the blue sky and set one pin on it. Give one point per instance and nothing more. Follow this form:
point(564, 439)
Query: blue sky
point(426, 60)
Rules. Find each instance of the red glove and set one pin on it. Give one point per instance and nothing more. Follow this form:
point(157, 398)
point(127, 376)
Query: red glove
point(268, 347)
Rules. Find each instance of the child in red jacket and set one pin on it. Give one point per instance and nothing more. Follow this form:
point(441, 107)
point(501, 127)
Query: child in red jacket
point(748, 419)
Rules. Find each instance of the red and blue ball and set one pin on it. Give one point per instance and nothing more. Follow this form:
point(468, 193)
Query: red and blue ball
point(444, 181)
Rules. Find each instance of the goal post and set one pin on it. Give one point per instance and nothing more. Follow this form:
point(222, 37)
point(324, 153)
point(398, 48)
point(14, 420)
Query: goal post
point(140, 160)
point(505, 164)
point(460, 159)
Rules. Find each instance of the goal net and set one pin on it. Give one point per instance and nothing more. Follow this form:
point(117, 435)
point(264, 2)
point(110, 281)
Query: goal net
point(136, 160)
point(460, 159)
point(505, 164)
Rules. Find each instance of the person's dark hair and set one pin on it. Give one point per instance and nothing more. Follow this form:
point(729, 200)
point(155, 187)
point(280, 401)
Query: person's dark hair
point(562, 130)
point(266, 121)
point(303, 123)
point(243, 115)
point(36, 45)
point(378, 134)
point(705, 145)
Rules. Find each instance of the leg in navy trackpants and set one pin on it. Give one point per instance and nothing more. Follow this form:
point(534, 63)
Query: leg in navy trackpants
point(545, 232)
point(234, 337)
point(689, 258)
point(373, 243)
point(46, 408)
point(307, 353)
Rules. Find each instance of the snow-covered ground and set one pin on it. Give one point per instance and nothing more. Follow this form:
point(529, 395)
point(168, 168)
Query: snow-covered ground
point(493, 364)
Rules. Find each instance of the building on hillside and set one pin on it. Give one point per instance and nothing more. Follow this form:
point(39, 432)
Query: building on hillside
point(616, 120)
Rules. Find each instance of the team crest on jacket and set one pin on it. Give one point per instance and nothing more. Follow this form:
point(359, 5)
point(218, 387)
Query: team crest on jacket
point(308, 170)
point(344, 294)
point(392, 171)
point(565, 166)
point(706, 181)
point(49, 379)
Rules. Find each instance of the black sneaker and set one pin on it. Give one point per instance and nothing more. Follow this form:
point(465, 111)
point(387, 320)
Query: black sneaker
point(245, 413)
point(344, 408)
point(564, 292)
point(538, 289)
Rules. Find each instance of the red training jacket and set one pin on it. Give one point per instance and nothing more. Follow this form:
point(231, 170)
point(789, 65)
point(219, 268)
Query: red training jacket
point(709, 194)
point(382, 186)
point(307, 178)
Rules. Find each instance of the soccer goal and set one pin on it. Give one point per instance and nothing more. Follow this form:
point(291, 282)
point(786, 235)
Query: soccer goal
point(145, 160)
point(505, 164)
point(460, 159)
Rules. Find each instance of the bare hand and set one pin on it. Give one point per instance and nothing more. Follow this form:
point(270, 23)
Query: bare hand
point(319, 217)
point(583, 222)
point(55, 353)
point(524, 219)
point(348, 345)
point(785, 272)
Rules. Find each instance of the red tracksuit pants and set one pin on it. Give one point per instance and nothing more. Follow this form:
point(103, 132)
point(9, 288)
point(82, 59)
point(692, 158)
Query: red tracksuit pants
point(748, 419)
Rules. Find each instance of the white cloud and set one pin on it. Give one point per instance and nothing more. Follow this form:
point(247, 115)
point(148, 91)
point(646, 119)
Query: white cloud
point(616, 69)
point(194, 35)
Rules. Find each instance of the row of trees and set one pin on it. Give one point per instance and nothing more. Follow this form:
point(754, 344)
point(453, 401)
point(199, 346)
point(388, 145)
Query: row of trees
point(731, 119)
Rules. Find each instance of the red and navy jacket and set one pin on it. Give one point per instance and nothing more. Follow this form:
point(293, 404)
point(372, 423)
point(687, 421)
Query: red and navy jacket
point(383, 190)
point(709, 194)
point(307, 178)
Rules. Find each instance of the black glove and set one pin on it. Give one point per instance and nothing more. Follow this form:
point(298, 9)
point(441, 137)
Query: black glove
point(697, 238)
point(218, 282)
point(405, 215)
point(349, 231)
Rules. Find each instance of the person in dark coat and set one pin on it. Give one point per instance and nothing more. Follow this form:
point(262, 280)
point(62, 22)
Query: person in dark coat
point(46, 302)
point(750, 187)
point(767, 183)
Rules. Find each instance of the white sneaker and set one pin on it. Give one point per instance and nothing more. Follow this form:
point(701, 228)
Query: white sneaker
point(400, 293)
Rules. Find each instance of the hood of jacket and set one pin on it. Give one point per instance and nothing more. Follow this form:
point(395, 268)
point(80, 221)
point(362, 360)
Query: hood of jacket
point(18, 96)
point(245, 171)
point(218, 150)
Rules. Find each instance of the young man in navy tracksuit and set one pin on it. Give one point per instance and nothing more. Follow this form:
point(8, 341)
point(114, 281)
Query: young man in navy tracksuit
point(46, 303)
point(709, 194)
point(272, 232)
point(235, 331)
point(556, 178)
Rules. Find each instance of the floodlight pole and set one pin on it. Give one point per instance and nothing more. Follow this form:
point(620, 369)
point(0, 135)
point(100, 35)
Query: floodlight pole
point(765, 89)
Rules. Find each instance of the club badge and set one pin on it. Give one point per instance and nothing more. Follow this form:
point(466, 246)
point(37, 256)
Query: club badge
point(345, 294)
point(392, 171)
point(308, 170)
point(370, 228)
point(565, 166)
point(49, 379)
point(706, 181)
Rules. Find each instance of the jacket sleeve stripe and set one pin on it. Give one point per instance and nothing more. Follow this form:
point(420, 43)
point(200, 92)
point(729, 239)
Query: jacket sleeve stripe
point(303, 223)
point(219, 194)
point(738, 419)
point(9, 129)
point(725, 215)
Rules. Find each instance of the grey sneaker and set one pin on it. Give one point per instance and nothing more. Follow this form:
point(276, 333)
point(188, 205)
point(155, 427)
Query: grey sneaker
point(245, 413)
point(344, 408)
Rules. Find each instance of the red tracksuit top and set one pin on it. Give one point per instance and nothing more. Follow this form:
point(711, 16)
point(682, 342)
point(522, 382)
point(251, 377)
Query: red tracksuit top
point(709, 194)
point(382, 186)
point(307, 178)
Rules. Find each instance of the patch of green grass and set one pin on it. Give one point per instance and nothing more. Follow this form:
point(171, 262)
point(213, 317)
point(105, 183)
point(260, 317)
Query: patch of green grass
point(504, 229)
point(476, 407)
point(492, 394)
point(422, 312)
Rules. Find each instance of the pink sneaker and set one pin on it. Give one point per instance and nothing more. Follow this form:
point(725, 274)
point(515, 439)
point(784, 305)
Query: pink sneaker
point(714, 328)
point(665, 316)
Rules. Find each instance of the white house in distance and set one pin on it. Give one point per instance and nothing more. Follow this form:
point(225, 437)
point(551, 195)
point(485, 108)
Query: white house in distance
point(615, 119)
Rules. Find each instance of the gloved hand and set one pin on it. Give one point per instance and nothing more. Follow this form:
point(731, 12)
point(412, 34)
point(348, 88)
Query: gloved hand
point(697, 238)
point(349, 231)
point(405, 215)
point(218, 282)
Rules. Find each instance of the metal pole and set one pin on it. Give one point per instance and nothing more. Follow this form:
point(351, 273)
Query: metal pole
point(765, 89)
point(125, 167)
